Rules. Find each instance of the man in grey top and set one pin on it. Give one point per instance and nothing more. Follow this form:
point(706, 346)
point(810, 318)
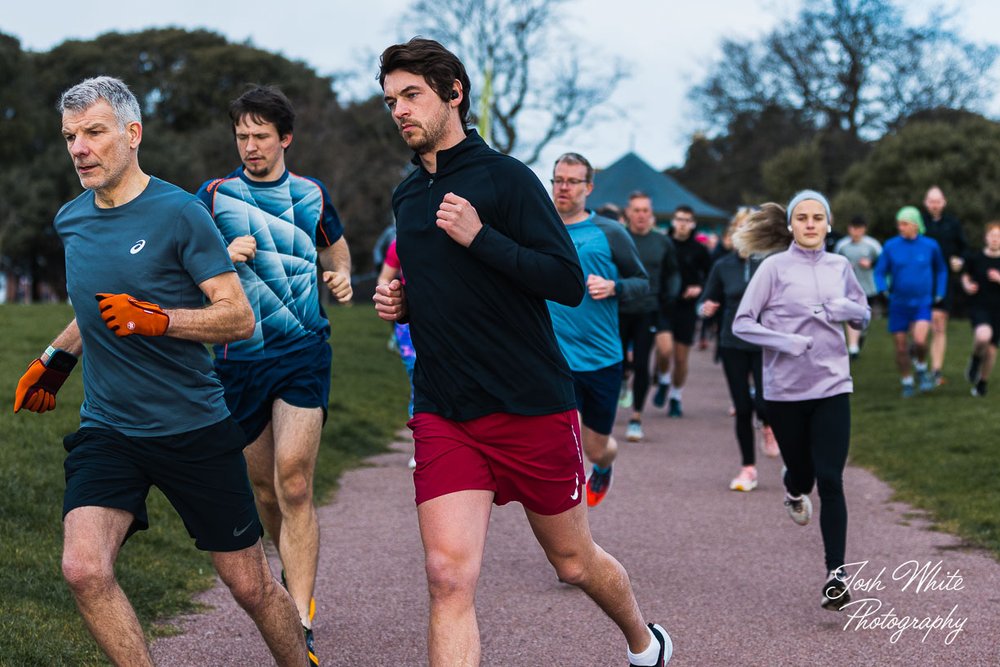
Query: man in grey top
point(862, 252)
point(643, 317)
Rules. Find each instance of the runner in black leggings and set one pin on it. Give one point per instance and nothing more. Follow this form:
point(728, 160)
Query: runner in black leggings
point(794, 308)
point(724, 288)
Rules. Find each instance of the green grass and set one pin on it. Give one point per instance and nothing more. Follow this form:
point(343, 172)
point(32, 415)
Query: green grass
point(159, 569)
point(937, 450)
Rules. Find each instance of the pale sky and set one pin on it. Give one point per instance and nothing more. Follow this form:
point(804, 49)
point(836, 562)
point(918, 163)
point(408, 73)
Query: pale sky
point(667, 43)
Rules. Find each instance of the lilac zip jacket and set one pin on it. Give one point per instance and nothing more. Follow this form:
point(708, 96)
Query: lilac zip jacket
point(794, 308)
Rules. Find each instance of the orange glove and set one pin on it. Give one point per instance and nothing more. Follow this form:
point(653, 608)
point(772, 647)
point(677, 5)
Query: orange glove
point(36, 390)
point(126, 315)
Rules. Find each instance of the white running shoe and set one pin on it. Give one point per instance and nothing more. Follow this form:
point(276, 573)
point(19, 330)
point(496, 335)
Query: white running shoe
point(634, 431)
point(746, 480)
point(800, 509)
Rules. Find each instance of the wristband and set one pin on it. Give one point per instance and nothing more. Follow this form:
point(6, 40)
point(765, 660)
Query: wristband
point(50, 351)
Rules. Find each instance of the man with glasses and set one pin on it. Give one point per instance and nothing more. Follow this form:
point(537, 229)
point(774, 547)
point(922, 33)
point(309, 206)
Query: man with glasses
point(588, 333)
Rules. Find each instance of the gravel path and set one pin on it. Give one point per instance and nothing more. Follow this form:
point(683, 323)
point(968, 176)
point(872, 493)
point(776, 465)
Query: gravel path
point(728, 574)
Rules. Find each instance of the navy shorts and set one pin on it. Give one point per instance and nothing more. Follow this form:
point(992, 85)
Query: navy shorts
point(300, 378)
point(981, 316)
point(202, 473)
point(684, 320)
point(902, 315)
point(664, 324)
point(597, 397)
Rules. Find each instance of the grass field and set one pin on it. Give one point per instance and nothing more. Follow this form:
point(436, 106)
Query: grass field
point(159, 569)
point(938, 450)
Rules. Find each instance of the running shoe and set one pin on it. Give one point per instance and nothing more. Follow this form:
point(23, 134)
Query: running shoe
point(908, 390)
point(746, 480)
point(660, 397)
point(835, 592)
point(634, 431)
point(313, 660)
point(666, 646)
point(979, 389)
point(923, 380)
point(972, 371)
point(768, 442)
point(675, 408)
point(598, 485)
point(625, 397)
point(939, 379)
point(800, 509)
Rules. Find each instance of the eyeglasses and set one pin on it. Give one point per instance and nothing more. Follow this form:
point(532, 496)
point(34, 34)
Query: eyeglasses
point(572, 182)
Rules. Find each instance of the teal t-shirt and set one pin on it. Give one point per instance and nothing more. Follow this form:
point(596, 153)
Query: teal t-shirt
point(158, 247)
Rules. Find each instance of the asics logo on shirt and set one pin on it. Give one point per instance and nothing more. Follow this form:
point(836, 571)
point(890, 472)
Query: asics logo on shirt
point(139, 245)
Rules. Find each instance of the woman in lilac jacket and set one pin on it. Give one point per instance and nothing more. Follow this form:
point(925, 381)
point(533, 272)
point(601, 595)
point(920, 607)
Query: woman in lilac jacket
point(795, 308)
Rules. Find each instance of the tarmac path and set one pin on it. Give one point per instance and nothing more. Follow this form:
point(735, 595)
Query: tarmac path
point(729, 575)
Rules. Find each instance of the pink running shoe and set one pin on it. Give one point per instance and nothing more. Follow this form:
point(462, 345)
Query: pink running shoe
point(770, 444)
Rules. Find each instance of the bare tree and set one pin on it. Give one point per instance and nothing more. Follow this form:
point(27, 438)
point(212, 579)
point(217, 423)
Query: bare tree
point(853, 66)
point(543, 82)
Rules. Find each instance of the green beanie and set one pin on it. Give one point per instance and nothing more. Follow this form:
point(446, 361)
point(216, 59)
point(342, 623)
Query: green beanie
point(911, 214)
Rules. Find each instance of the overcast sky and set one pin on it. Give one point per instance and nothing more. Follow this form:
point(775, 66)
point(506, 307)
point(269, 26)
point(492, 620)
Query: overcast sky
point(668, 44)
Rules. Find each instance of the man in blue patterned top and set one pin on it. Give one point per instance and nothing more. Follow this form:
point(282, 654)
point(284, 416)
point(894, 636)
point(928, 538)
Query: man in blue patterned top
point(277, 383)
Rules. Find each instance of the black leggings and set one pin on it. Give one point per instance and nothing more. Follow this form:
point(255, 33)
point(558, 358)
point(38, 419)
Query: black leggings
point(814, 437)
point(637, 330)
point(738, 365)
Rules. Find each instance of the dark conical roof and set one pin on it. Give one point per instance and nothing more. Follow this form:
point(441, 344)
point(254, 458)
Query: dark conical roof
point(630, 173)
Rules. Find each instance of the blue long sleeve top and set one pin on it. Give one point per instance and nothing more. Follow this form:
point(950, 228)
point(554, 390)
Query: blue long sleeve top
point(912, 270)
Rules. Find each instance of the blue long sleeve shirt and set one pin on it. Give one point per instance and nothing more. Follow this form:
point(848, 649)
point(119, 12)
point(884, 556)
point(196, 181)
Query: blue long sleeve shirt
point(588, 332)
point(913, 270)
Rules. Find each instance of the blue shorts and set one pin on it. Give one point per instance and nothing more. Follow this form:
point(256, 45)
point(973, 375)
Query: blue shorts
point(597, 397)
point(202, 473)
point(901, 316)
point(300, 378)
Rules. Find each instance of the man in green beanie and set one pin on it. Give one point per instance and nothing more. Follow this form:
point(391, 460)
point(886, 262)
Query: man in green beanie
point(911, 269)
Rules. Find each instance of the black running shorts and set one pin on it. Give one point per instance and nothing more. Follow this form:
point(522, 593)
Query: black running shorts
point(202, 473)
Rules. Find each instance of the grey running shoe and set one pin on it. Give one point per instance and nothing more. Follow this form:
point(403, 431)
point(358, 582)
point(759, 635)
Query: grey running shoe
point(800, 509)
